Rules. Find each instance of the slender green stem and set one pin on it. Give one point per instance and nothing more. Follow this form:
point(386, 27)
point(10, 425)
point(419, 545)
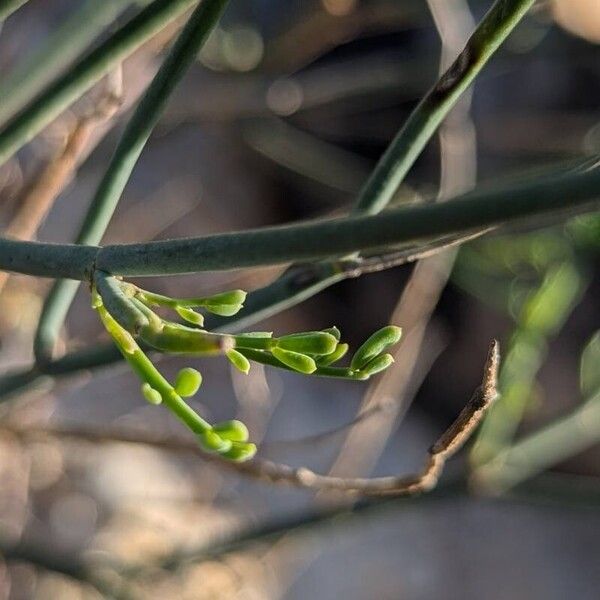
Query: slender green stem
point(575, 191)
point(542, 449)
point(56, 53)
point(76, 81)
point(8, 7)
point(425, 119)
point(130, 146)
point(542, 315)
point(270, 360)
point(148, 373)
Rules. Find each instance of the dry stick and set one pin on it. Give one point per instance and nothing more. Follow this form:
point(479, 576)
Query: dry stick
point(56, 175)
point(365, 443)
point(384, 406)
point(444, 448)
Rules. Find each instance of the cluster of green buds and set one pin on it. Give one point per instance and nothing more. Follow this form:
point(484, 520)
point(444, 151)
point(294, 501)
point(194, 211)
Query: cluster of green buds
point(129, 315)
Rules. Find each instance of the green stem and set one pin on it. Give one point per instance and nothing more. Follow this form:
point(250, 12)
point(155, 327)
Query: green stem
point(319, 239)
point(58, 51)
point(542, 449)
point(542, 315)
point(576, 191)
point(8, 7)
point(130, 146)
point(270, 360)
point(89, 70)
point(148, 373)
point(127, 314)
point(425, 119)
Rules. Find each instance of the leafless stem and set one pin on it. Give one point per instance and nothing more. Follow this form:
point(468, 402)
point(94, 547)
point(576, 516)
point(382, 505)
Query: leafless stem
point(53, 179)
point(445, 447)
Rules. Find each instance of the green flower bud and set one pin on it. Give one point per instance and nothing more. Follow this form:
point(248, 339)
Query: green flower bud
point(311, 342)
point(231, 297)
point(189, 315)
point(239, 361)
point(188, 381)
point(153, 396)
point(240, 451)
point(233, 430)
point(336, 355)
point(378, 364)
point(334, 331)
point(223, 310)
point(213, 442)
point(375, 345)
point(295, 360)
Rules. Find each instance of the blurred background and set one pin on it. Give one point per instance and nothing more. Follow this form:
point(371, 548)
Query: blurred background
point(283, 116)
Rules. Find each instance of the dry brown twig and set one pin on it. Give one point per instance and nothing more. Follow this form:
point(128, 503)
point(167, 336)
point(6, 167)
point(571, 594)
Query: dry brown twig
point(444, 448)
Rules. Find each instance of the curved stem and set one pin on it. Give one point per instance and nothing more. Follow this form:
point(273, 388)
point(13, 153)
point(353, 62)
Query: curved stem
point(8, 7)
point(62, 46)
point(130, 146)
point(147, 372)
point(75, 82)
point(425, 119)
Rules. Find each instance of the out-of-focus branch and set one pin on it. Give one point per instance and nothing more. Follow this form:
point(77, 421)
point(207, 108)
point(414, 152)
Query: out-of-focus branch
point(58, 172)
point(444, 448)
point(540, 450)
point(365, 443)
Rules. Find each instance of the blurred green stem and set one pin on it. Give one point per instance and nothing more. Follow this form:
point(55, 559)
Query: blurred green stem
point(8, 7)
point(530, 456)
point(63, 45)
point(130, 146)
point(543, 314)
point(425, 119)
point(83, 75)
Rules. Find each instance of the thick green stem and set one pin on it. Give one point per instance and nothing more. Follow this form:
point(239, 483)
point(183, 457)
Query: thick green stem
point(130, 146)
point(576, 191)
point(314, 240)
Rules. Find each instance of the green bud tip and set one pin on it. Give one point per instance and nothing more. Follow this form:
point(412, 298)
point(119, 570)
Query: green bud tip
point(334, 331)
point(224, 298)
point(189, 315)
point(188, 382)
point(311, 342)
point(214, 443)
point(375, 345)
point(224, 310)
point(238, 360)
point(295, 360)
point(336, 355)
point(378, 364)
point(232, 430)
point(240, 451)
point(152, 396)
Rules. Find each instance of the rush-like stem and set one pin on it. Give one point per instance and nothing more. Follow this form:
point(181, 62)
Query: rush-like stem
point(576, 190)
point(130, 146)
